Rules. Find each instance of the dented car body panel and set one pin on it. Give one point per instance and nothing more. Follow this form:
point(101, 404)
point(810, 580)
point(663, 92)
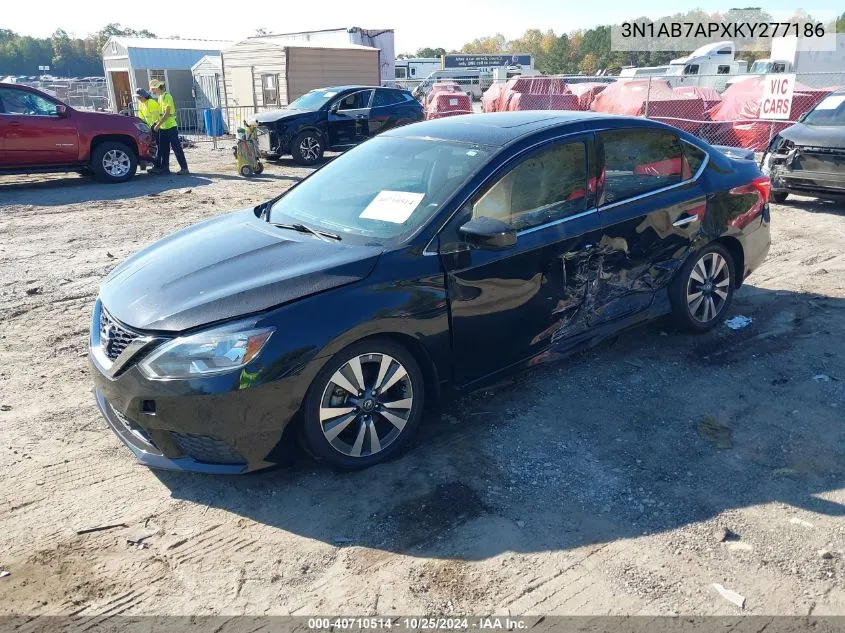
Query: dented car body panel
point(469, 314)
point(808, 158)
point(381, 109)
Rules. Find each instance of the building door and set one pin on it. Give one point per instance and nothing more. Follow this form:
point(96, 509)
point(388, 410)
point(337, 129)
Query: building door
point(122, 89)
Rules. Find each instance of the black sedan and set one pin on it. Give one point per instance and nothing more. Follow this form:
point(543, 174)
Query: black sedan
point(425, 262)
point(334, 119)
point(808, 158)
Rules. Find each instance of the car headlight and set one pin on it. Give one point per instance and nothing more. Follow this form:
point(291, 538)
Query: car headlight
point(208, 353)
point(143, 128)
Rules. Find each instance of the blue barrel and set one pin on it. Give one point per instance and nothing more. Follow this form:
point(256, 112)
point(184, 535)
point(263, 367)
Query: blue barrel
point(214, 122)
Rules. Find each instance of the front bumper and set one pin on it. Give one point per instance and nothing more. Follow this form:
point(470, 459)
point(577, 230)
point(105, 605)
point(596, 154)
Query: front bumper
point(224, 424)
point(816, 172)
point(137, 441)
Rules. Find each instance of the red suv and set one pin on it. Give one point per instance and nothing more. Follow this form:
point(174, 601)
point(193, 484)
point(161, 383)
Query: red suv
point(39, 133)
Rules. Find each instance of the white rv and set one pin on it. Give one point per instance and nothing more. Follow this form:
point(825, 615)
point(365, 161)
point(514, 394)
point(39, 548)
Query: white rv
point(414, 69)
point(710, 66)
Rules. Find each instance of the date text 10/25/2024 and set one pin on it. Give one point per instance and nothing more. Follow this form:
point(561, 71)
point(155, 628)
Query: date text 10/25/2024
point(418, 623)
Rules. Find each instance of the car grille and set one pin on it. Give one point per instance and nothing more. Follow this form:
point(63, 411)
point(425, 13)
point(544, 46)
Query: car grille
point(205, 448)
point(114, 337)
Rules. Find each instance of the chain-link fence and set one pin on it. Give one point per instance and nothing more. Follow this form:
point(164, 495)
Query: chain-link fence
point(83, 94)
point(721, 109)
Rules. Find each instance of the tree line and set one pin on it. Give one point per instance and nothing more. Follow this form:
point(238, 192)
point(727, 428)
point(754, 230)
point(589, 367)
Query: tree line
point(583, 51)
point(65, 55)
point(588, 51)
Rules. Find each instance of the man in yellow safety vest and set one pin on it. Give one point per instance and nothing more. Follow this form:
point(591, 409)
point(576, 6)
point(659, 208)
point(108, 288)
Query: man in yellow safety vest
point(168, 132)
point(149, 112)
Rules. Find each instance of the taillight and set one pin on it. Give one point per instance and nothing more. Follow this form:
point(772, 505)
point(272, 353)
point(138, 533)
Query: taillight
point(762, 186)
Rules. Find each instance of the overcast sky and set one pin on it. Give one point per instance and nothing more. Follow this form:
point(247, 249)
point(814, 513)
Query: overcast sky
point(417, 24)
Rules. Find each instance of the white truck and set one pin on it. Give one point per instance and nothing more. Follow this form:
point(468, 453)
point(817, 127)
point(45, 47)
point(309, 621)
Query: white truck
point(812, 67)
point(711, 66)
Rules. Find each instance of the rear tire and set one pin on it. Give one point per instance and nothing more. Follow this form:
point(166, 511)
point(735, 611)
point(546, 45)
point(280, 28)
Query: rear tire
point(779, 196)
point(113, 162)
point(702, 290)
point(259, 168)
point(350, 420)
point(307, 148)
point(246, 171)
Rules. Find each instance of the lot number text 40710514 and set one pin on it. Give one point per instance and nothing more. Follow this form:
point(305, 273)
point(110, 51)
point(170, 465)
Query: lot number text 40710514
point(418, 623)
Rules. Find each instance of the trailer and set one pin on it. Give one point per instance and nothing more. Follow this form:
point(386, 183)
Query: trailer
point(812, 66)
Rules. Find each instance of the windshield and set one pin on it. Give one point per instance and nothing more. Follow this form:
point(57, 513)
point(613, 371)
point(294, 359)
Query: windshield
point(385, 189)
point(830, 111)
point(761, 67)
point(313, 100)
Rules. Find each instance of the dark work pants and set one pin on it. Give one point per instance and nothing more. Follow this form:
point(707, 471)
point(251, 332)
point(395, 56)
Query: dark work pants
point(170, 138)
point(157, 157)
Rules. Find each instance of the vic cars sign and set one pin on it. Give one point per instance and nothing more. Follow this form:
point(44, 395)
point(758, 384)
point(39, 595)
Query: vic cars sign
point(487, 62)
point(777, 96)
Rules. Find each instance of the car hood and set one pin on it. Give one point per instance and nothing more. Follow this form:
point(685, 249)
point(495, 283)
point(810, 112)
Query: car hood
point(107, 118)
point(229, 266)
point(815, 135)
point(274, 116)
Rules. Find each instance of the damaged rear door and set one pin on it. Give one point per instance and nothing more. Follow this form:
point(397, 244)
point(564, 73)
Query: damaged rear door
point(507, 306)
point(651, 207)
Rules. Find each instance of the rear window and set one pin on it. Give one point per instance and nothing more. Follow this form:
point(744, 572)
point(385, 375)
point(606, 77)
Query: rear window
point(640, 161)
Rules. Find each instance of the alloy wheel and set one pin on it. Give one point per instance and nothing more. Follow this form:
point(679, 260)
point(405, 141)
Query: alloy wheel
point(309, 148)
point(366, 404)
point(116, 163)
point(708, 287)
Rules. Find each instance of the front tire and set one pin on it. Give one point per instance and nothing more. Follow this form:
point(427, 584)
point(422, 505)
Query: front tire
point(778, 196)
point(702, 291)
point(364, 406)
point(307, 148)
point(113, 162)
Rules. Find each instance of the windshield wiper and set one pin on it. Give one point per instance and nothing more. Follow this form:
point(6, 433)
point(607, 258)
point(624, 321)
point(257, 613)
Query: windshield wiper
point(301, 228)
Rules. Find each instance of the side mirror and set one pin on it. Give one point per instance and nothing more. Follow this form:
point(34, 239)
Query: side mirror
point(61, 110)
point(334, 107)
point(488, 233)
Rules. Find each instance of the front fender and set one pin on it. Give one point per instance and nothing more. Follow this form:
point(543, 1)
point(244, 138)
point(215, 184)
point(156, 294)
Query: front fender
point(312, 330)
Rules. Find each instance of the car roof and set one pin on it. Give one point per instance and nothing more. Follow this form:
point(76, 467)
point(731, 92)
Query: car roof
point(350, 87)
point(504, 128)
point(21, 86)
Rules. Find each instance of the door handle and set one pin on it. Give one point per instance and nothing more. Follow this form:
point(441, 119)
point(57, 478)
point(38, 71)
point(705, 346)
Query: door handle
point(684, 220)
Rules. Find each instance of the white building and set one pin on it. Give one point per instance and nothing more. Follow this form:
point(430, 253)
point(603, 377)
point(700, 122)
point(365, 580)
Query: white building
point(382, 39)
point(132, 62)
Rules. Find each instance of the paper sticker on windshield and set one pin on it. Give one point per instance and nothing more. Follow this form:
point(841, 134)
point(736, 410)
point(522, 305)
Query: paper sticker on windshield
point(392, 206)
point(831, 103)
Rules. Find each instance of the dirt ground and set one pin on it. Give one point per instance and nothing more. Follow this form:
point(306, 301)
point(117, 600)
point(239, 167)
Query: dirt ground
point(626, 480)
